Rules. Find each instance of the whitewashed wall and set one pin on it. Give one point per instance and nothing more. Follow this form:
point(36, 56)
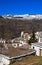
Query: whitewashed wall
point(1, 63)
point(4, 60)
point(36, 49)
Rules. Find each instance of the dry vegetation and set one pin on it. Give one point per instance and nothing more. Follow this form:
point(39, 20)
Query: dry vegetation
point(31, 60)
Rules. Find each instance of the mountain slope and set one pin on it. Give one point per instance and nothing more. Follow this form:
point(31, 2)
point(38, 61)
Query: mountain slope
point(10, 28)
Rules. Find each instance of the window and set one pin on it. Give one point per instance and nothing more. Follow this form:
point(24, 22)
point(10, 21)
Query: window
point(33, 47)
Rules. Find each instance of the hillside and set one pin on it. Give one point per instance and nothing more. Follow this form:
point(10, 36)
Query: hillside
point(30, 60)
point(10, 28)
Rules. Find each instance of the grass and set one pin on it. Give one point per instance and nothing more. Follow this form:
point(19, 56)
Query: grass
point(30, 60)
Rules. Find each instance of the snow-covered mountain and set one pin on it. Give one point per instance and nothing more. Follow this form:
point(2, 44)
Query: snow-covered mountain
point(25, 16)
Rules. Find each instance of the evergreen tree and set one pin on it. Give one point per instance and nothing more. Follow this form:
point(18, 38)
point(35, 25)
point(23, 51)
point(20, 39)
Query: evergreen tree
point(32, 39)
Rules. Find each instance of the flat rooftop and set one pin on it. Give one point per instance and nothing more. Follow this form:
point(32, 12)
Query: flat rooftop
point(12, 52)
point(37, 44)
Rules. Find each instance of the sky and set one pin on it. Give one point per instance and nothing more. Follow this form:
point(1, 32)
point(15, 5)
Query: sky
point(20, 7)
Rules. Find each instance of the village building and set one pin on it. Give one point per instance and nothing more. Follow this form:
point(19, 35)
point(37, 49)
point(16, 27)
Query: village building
point(22, 33)
point(25, 35)
point(18, 48)
point(19, 42)
point(4, 60)
point(38, 35)
point(38, 48)
point(12, 54)
point(2, 40)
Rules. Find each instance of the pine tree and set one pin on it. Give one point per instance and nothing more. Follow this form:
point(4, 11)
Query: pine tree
point(32, 39)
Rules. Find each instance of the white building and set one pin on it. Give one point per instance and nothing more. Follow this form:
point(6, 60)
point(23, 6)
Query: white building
point(4, 60)
point(39, 36)
point(2, 40)
point(25, 35)
point(22, 33)
point(38, 48)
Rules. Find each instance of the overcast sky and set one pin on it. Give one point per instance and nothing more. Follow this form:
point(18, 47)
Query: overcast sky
point(20, 7)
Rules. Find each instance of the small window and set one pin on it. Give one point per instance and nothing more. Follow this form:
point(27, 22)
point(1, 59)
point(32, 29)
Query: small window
point(33, 47)
point(14, 45)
